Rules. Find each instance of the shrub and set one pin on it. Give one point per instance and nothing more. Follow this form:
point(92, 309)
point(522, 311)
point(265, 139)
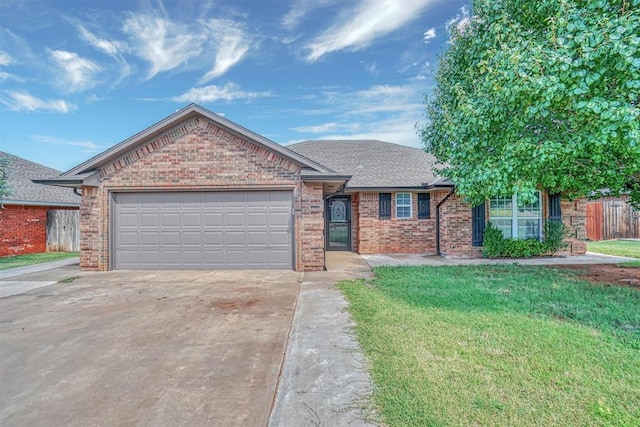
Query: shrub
point(495, 245)
point(554, 235)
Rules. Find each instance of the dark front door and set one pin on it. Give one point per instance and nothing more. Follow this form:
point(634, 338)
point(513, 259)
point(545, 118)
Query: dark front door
point(339, 223)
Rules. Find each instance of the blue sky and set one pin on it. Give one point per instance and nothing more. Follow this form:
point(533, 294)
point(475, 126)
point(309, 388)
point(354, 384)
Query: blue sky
point(77, 77)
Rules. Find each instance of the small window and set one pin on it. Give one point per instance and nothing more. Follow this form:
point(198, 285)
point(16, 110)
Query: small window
point(403, 205)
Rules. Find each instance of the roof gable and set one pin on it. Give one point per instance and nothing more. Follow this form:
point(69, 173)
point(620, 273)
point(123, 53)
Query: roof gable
point(172, 127)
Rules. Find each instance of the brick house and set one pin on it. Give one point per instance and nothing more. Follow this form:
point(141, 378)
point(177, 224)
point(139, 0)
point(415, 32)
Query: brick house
point(23, 213)
point(197, 191)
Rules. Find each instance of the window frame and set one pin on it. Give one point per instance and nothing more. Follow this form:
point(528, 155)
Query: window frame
point(514, 217)
point(404, 205)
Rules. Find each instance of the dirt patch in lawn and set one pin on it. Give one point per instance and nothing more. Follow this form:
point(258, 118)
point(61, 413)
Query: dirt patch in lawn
point(607, 273)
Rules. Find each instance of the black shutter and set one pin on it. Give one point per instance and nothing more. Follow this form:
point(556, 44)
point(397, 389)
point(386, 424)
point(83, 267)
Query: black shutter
point(424, 205)
point(555, 214)
point(384, 211)
point(477, 225)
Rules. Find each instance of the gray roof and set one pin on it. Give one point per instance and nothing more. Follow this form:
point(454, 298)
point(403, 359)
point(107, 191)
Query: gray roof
point(374, 164)
point(26, 192)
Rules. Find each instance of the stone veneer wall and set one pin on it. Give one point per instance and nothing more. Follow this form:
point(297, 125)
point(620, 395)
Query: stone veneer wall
point(199, 155)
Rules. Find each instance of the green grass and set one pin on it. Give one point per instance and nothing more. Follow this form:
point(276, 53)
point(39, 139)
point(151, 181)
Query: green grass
point(24, 260)
point(626, 248)
point(630, 264)
point(498, 346)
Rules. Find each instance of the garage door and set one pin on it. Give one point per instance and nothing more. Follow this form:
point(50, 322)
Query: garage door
point(203, 230)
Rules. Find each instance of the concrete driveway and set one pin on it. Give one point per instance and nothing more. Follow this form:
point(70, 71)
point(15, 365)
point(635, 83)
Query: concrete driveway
point(144, 348)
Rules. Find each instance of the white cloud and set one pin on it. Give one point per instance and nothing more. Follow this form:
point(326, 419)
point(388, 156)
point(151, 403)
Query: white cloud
point(460, 20)
point(77, 73)
point(325, 127)
point(23, 101)
point(162, 43)
point(86, 146)
point(300, 9)
point(429, 35)
point(232, 44)
point(113, 48)
point(369, 20)
point(213, 93)
point(398, 129)
point(5, 58)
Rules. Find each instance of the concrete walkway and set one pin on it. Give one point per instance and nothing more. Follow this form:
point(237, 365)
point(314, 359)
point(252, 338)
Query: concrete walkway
point(23, 282)
point(434, 260)
point(324, 381)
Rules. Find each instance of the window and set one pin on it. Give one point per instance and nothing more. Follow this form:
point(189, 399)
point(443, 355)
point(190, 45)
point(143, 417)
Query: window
point(424, 205)
point(384, 203)
point(403, 205)
point(516, 219)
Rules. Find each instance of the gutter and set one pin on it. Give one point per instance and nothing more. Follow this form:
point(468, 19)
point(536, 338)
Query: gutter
point(40, 203)
point(438, 219)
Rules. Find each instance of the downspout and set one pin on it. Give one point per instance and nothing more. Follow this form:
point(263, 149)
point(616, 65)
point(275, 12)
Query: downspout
point(438, 219)
point(76, 192)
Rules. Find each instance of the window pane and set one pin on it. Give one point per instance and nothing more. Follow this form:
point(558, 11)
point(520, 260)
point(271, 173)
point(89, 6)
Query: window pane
point(528, 228)
point(403, 205)
point(504, 225)
point(501, 207)
point(529, 209)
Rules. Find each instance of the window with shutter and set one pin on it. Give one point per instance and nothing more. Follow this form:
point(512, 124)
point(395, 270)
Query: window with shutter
point(477, 225)
point(424, 205)
point(384, 211)
point(555, 213)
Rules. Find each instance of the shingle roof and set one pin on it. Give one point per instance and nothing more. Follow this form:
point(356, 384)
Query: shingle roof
point(372, 163)
point(24, 191)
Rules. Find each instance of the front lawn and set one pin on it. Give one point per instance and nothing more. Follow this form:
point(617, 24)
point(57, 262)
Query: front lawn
point(628, 248)
point(498, 345)
point(30, 259)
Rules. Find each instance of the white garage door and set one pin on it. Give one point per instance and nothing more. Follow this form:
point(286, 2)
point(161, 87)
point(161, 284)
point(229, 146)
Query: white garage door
point(203, 230)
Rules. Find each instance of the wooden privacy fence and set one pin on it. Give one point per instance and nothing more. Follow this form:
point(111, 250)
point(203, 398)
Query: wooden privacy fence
point(63, 232)
point(612, 219)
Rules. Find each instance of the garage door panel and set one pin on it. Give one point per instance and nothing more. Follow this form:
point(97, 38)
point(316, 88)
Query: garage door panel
point(258, 237)
point(234, 219)
point(191, 219)
point(149, 219)
point(170, 238)
point(192, 238)
point(149, 238)
point(236, 230)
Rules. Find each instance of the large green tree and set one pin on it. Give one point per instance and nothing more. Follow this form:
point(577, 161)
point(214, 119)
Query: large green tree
point(540, 94)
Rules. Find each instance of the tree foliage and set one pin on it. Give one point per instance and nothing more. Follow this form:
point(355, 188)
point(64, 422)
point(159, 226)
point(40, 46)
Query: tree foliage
point(540, 93)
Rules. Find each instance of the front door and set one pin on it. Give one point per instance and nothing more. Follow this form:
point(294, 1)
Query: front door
point(339, 223)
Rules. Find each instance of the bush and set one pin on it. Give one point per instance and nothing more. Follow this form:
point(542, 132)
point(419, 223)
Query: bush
point(554, 235)
point(495, 245)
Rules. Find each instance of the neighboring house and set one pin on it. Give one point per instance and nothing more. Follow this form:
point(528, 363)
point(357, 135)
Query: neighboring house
point(24, 212)
point(196, 190)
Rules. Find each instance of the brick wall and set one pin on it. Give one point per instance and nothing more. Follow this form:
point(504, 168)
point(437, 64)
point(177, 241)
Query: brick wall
point(23, 230)
point(455, 227)
point(456, 230)
point(392, 235)
point(574, 217)
point(199, 155)
point(312, 228)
